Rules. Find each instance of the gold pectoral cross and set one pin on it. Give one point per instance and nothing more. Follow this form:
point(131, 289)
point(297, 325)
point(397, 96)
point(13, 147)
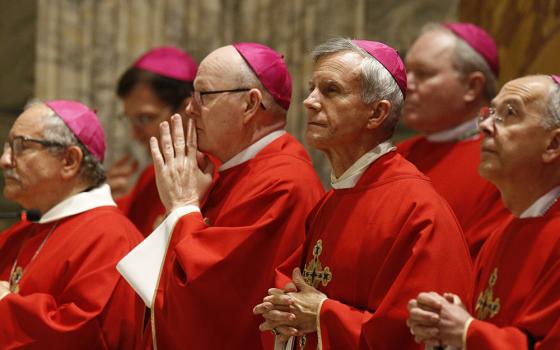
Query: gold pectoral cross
point(15, 277)
point(313, 273)
point(486, 305)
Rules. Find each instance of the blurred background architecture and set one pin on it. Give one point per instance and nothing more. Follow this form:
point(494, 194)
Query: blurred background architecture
point(77, 49)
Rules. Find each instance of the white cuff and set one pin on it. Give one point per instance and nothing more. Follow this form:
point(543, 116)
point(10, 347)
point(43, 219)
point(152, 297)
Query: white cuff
point(318, 323)
point(465, 331)
point(142, 266)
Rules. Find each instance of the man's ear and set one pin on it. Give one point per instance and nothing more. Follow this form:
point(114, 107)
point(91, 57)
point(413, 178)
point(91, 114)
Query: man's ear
point(71, 161)
point(253, 101)
point(552, 151)
point(475, 83)
point(378, 114)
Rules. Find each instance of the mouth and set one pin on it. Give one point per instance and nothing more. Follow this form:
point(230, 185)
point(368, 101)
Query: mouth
point(315, 124)
point(486, 149)
point(10, 178)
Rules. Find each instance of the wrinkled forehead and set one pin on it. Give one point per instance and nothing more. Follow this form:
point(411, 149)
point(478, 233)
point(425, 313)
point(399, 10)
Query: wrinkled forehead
point(220, 67)
point(527, 91)
point(343, 64)
point(433, 45)
point(30, 122)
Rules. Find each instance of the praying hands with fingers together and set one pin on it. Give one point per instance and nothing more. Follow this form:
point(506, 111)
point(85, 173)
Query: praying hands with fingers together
point(438, 320)
point(183, 174)
point(291, 311)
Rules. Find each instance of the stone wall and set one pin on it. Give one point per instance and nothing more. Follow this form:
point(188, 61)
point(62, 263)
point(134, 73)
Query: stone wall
point(83, 45)
point(17, 64)
point(77, 49)
point(527, 33)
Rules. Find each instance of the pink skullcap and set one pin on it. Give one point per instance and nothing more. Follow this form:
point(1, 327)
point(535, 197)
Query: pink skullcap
point(270, 69)
point(168, 61)
point(389, 58)
point(479, 40)
point(556, 79)
point(83, 123)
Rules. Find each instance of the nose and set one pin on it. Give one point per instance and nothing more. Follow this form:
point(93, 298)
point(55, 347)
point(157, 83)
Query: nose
point(311, 102)
point(6, 159)
point(191, 110)
point(487, 126)
point(410, 82)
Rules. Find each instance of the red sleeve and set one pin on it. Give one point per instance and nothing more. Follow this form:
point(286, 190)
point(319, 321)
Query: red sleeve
point(72, 318)
point(427, 255)
point(233, 260)
point(534, 323)
point(484, 335)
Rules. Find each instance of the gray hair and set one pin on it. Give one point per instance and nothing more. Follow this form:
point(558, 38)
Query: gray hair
point(377, 82)
point(466, 60)
point(551, 118)
point(91, 169)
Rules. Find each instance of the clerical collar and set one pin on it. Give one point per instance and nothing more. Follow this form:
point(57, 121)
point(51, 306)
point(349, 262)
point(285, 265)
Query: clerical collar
point(251, 151)
point(350, 177)
point(542, 205)
point(465, 131)
point(79, 203)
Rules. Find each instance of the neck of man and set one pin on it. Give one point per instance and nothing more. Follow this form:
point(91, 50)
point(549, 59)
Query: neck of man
point(344, 156)
point(521, 194)
point(60, 193)
point(252, 134)
point(470, 112)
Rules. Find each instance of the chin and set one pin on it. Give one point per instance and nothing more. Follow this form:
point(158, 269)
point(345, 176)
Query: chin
point(10, 193)
point(412, 121)
point(488, 170)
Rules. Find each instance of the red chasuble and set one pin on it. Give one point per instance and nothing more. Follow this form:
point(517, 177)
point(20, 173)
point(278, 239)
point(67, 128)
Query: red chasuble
point(142, 205)
point(374, 247)
point(218, 267)
point(517, 286)
point(70, 294)
point(453, 168)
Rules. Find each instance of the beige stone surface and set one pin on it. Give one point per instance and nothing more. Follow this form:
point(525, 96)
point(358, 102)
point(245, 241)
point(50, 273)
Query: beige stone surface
point(527, 33)
point(84, 45)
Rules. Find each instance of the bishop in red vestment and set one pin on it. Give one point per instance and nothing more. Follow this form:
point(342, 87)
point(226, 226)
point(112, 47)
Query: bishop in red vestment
point(516, 290)
point(382, 234)
point(59, 288)
point(222, 253)
point(156, 85)
point(452, 70)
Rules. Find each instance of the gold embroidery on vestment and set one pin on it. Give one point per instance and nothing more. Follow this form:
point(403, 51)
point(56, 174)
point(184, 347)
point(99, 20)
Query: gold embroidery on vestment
point(486, 305)
point(313, 273)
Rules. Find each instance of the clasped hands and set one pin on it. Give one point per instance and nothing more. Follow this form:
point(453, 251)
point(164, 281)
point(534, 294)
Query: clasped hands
point(291, 311)
point(183, 174)
point(437, 320)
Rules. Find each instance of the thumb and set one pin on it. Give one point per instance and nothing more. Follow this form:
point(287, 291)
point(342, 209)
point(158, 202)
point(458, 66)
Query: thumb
point(298, 279)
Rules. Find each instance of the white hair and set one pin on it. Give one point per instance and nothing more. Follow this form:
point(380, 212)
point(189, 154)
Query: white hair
point(551, 118)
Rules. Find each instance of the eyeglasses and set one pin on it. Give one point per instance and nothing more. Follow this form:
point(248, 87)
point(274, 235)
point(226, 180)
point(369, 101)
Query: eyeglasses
point(16, 145)
point(490, 112)
point(197, 95)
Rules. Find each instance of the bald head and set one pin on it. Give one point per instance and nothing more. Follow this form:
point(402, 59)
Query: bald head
point(231, 108)
point(520, 153)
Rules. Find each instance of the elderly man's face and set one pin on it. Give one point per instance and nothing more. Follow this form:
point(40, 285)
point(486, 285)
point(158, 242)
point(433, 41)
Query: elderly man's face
point(218, 116)
point(33, 171)
point(336, 114)
point(434, 100)
point(514, 138)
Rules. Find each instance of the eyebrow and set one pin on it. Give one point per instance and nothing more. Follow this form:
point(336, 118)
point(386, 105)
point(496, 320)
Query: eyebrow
point(513, 101)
